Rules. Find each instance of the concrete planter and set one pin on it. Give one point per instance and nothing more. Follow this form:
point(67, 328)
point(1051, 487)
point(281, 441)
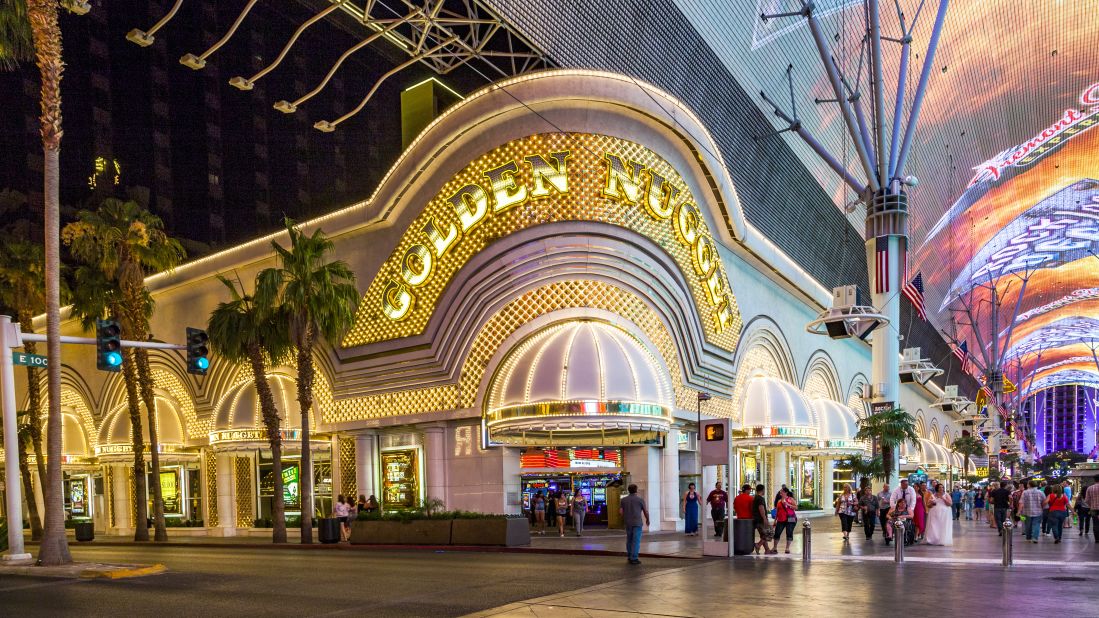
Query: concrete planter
point(375, 533)
point(425, 532)
point(504, 532)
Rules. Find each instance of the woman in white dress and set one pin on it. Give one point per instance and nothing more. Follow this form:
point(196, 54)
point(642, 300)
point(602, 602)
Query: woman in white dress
point(940, 526)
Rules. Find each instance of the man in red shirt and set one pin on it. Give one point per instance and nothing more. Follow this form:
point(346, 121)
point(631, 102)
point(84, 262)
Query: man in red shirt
point(717, 500)
point(742, 504)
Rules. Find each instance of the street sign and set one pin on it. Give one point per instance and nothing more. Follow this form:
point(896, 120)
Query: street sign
point(879, 407)
point(28, 360)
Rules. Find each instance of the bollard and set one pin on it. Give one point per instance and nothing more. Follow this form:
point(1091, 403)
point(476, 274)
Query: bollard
point(806, 541)
point(898, 541)
point(1008, 557)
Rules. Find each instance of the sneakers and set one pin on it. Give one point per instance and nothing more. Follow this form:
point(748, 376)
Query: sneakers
point(634, 561)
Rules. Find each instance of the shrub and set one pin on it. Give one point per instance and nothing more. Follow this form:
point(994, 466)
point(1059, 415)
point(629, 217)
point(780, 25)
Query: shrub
point(806, 505)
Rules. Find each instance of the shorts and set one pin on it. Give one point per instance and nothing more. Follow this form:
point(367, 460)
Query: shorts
point(343, 520)
point(766, 532)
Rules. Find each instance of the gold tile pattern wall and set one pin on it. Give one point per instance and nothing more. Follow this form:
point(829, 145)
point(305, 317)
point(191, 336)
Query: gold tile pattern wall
point(242, 475)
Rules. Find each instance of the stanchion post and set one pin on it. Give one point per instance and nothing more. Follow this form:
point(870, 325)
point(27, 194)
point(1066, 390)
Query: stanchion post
point(806, 541)
point(1008, 557)
point(898, 541)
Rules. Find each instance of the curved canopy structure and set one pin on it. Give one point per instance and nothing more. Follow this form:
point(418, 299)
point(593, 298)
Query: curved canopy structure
point(836, 429)
point(238, 416)
point(577, 382)
point(777, 414)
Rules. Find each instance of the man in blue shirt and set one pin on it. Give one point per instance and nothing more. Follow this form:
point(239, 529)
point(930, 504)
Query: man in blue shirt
point(634, 515)
point(956, 502)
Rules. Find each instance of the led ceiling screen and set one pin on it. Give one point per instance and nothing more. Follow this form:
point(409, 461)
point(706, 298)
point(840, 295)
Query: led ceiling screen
point(1006, 150)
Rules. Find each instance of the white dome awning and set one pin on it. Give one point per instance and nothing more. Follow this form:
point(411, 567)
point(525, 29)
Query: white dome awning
point(836, 429)
point(238, 418)
point(932, 457)
point(582, 382)
point(776, 414)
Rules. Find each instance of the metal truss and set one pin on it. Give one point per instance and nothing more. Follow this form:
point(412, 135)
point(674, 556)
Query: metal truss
point(440, 34)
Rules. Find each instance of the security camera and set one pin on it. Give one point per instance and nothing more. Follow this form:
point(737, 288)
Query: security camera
point(911, 181)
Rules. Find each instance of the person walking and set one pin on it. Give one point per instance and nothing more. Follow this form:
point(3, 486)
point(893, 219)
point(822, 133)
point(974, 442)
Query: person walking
point(869, 505)
point(551, 508)
point(978, 504)
point(956, 502)
point(1046, 490)
point(690, 507)
point(1058, 511)
point(538, 507)
point(635, 515)
point(786, 517)
point(562, 508)
point(883, 511)
point(903, 492)
point(1030, 506)
point(968, 498)
point(1091, 500)
point(579, 511)
point(1001, 503)
point(846, 507)
point(940, 524)
point(762, 522)
point(718, 500)
point(1082, 515)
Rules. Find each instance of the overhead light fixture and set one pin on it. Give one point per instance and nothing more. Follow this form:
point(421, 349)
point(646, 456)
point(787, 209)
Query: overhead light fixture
point(847, 317)
point(915, 369)
point(952, 402)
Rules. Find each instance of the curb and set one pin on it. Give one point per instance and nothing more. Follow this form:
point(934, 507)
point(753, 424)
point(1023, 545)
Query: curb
point(431, 548)
point(122, 573)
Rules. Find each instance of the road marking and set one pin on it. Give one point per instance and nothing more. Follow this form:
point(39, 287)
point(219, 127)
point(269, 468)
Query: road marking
point(56, 582)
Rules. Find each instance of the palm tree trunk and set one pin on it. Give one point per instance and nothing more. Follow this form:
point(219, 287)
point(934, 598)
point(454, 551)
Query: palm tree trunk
point(306, 372)
point(34, 423)
point(141, 506)
point(28, 493)
point(887, 460)
point(46, 32)
point(145, 380)
point(271, 423)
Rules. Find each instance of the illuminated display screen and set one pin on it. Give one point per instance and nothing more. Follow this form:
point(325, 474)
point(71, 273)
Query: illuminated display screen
point(1005, 151)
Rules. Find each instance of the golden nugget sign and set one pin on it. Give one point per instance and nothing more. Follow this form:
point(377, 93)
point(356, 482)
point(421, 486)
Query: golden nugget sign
point(540, 179)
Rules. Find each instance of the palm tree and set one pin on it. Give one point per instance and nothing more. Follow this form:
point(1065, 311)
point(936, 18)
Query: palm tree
point(864, 469)
point(890, 429)
point(125, 243)
point(243, 330)
point(319, 298)
point(967, 446)
point(23, 438)
point(29, 28)
point(22, 290)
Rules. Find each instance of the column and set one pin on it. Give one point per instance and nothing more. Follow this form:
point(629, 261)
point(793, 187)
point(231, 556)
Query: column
point(364, 464)
point(645, 471)
point(780, 473)
point(435, 462)
point(120, 500)
point(885, 348)
point(227, 509)
point(827, 485)
point(670, 482)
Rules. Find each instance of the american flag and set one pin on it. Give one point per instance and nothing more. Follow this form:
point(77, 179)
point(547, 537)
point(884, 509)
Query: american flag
point(881, 265)
point(962, 352)
point(913, 291)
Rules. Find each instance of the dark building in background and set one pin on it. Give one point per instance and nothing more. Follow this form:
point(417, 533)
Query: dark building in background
point(218, 164)
point(1064, 418)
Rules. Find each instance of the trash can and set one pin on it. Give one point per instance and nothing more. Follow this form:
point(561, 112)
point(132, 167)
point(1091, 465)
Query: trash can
point(85, 531)
point(329, 530)
point(743, 536)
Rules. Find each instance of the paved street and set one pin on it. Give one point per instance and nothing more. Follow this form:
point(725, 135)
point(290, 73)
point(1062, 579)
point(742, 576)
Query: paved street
point(265, 582)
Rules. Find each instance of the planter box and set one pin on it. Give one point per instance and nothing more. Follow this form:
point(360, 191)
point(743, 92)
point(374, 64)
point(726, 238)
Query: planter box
point(425, 532)
point(505, 532)
point(375, 533)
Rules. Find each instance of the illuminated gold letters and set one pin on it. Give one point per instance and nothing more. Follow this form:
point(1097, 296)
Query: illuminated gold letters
point(417, 265)
point(542, 172)
point(471, 204)
point(620, 182)
point(504, 186)
point(661, 194)
point(396, 300)
point(504, 189)
point(440, 243)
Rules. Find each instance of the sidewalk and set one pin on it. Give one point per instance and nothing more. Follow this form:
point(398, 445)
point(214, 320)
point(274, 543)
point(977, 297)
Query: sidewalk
point(80, 570)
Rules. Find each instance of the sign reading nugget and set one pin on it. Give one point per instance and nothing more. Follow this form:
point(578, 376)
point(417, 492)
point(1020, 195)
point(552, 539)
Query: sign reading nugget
point(541, 179)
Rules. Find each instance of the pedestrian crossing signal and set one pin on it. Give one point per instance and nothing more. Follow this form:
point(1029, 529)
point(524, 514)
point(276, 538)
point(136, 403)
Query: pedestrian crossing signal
point(108, 345)
point(197, 352)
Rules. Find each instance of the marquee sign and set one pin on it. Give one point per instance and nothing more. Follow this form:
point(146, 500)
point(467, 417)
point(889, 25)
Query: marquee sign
point(540, 179)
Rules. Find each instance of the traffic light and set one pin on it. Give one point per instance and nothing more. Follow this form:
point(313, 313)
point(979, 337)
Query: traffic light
point(197, 361)
point(108, 345)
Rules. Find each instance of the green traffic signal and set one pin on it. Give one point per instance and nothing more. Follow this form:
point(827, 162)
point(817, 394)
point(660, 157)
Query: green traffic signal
point(108, 345)
point(197, 352)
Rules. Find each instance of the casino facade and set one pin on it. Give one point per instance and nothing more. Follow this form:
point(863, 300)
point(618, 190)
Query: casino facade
point(550, 275)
